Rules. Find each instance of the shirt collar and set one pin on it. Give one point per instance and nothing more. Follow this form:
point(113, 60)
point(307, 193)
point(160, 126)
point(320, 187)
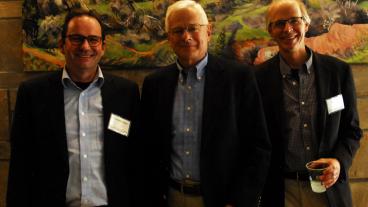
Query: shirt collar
point(200, 66)
point(285, 68)
point(67, 81)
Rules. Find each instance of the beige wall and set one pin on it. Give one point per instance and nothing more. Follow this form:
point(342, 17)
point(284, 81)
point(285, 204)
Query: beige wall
point(11, 73)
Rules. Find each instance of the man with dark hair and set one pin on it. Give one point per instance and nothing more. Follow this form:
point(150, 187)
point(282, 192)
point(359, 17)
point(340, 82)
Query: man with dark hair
point(205, 136)
point(310, 106)
point(72, 132)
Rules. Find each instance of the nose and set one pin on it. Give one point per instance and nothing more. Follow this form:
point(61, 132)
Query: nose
point(85, 44)
point(186, 35)
point(288, 27)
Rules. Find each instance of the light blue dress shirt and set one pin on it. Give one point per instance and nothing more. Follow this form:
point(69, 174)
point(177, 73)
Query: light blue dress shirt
point(84, 130)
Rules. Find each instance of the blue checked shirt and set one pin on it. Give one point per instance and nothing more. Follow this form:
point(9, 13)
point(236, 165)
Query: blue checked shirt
point(187, 122)
point(84, 130)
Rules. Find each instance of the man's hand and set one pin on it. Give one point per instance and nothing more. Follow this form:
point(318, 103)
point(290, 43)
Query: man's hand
point(331, 173)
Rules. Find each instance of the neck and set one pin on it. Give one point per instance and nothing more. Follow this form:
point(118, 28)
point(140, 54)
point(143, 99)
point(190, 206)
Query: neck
point(82, 75)
point(188, 63)
point(295, 58)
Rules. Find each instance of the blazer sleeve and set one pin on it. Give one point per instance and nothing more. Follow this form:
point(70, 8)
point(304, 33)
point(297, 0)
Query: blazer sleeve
point(257, 146)
point(349, 133)
point(21, 168)
point(150, 145)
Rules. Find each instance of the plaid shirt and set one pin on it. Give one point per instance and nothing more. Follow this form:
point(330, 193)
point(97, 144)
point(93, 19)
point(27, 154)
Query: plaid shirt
point(300, 102)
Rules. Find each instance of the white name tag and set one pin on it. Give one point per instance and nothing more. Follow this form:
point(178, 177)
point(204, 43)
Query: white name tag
point(335, 104)
point(119, 125)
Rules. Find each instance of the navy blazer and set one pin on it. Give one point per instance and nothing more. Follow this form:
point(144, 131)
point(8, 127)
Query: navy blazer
point(235, 149)
point(338, 133)
point(39, 166)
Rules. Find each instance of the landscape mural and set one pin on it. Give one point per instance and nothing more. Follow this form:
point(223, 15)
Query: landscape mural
point(136, 38)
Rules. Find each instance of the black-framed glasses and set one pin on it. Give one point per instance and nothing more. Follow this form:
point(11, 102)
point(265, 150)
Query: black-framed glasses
point(190, 28)
point(78, 40)
point(293, 21)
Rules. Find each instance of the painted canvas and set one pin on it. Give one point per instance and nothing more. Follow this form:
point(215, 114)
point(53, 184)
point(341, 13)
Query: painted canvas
point(136, 37)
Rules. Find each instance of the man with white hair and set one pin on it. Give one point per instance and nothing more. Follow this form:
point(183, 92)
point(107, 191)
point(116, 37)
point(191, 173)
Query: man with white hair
point(205, 138)
point(310, 106)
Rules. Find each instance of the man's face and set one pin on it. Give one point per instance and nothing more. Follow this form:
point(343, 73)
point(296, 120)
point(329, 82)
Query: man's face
point(288, 29)
point(82, 54)
point(188, 36)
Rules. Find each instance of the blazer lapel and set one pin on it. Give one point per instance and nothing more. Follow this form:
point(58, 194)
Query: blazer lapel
point(166, 95)
point(323, 88)
point(213, 88)
point(107, 95)
point(56, 101)
point(274, 80)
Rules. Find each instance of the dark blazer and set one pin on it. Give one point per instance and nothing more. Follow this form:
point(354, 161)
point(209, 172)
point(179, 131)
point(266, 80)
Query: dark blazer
point(338, 133)
point(39, 166)
point(235, 149)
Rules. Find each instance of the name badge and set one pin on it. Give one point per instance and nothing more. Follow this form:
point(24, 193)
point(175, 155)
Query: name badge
point(335, 104)
point(119, 125)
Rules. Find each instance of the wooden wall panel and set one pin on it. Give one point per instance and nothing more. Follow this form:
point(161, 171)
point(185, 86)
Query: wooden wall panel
point(360, 73)
point(360, 193)
point(4, 167)
point(4, 150)
point(363, 112)
point(10, 49)
point(359, 169)
point(10, 9)
point(4, 114)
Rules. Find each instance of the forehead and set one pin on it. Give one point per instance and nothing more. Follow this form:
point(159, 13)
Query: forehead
point(84, 25)
point(184, 16)
point(285, 11)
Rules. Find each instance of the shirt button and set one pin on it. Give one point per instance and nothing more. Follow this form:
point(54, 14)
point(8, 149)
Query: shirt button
point(83, 134)
point(303, 102)
point(284, 76)
point(308, 148)
point(294, 83)
point(189, 108)
point(199, 78)
point(305, 125)
point(85, 179)
point(85, 156)
point(187, 152)
point(187, 129)
point(187, 176)
point(189, 87)
point(82, 113)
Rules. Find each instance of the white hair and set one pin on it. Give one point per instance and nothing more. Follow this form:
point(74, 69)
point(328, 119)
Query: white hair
point(185, 4)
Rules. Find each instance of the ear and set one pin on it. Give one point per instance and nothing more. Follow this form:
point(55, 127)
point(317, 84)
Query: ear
point(103, 47)
point(209, 31)
point(306, 27)
point(269, 28)
point(61, 45)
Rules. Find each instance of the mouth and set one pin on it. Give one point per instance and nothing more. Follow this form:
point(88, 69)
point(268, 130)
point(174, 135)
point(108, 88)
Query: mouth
point(288, 37)
point(84, 55)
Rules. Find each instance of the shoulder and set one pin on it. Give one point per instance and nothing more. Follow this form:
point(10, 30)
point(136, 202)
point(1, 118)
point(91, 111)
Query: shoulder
point(229, 67)
point(42, 81)
point(267, 66)
point(332, 65)
point(162, 73)
point(329, 60)
point(119, 81)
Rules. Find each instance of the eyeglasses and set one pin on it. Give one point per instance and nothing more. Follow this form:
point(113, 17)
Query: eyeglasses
point(78, 40)
point(191, 28)
point(293, 21)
